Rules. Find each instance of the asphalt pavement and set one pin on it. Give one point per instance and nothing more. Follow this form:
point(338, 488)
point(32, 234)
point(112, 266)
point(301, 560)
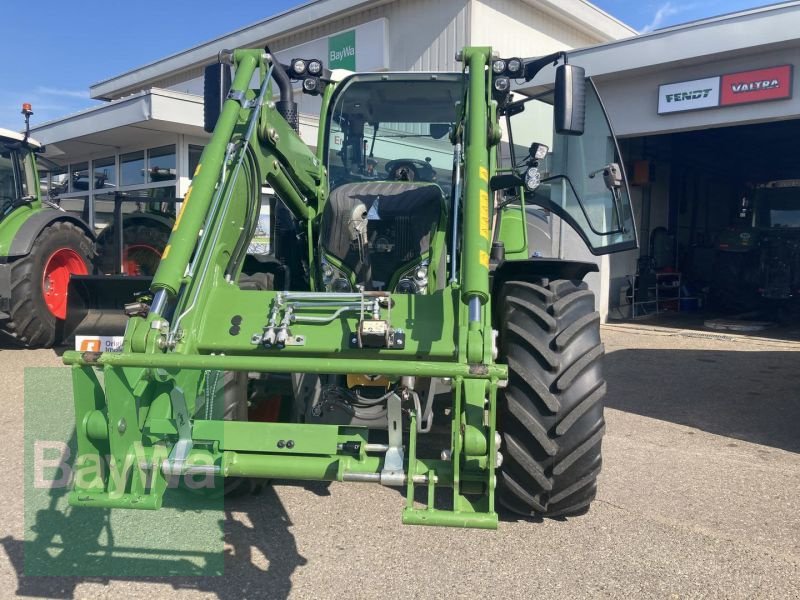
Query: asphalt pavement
point(699, 497)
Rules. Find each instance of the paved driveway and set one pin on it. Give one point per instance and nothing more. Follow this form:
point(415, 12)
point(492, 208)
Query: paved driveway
point(698, 498)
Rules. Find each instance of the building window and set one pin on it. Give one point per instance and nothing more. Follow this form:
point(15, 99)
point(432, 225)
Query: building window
point(131, 168)
point(161, 164)
point(105, 173)
point(79, 177)
point(194, 158)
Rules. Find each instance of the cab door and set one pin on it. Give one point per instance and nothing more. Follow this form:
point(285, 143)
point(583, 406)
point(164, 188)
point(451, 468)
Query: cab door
point(582, 176)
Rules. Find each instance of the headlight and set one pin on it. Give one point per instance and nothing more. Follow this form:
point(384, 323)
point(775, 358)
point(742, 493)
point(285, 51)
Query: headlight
point(499, 66)
point(311, 85)
point(333, 279)
point(514, 67)
point(532, 178)
point(501, 84)
point(327, 273)
point(314, 67)
point(414, 281)
point(538, 151)
point(299, 66)
point(340, 284)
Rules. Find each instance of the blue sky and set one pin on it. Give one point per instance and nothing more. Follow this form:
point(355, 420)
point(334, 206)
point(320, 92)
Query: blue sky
point(61, 47)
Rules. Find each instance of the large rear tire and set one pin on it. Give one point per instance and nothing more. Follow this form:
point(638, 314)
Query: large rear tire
point(550, 415)
point(142, 247)
point(39, 282)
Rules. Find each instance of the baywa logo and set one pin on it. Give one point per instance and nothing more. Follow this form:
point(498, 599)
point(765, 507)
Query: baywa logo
point(339, 55)
point(755, 86)
point(693, 95)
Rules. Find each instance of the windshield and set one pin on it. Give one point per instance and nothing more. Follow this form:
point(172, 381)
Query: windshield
point(389, 127)
point(779, 205)
point(573, 183)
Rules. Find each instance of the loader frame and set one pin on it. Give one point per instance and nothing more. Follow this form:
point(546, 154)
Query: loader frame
point(143, 410)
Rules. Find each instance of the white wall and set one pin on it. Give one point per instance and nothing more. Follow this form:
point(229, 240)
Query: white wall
point(515, 28)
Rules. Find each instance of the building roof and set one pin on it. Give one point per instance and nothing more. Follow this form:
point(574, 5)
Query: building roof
point(581, 12)
point(135, 118)
point(704, 40)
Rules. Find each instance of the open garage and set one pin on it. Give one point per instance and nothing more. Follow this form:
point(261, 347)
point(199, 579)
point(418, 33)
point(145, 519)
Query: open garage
point(708, 117)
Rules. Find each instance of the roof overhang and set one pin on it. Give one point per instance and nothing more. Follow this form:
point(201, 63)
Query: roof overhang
point(290, 21)
point(129, 122)
point(746, 32)
point(581, 14)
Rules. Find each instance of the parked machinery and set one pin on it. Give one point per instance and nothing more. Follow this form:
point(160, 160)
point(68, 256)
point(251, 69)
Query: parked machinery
point(41, 246)
point(407, 281)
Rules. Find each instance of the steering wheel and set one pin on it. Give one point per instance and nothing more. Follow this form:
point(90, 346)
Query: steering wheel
point(410, 169)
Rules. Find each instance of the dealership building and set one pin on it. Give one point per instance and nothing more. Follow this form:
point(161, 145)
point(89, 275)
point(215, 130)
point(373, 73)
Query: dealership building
point(701, 109)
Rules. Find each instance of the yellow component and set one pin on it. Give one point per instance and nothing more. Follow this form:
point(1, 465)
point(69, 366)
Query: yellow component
point(484, 174)
point(354, 380)
point(484, 259)
point(166, 252)
point(183, 208)
point(197, 170)
point(484, 207)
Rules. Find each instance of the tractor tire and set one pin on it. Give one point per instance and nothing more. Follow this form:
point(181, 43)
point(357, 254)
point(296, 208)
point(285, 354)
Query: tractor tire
point(39, 283)
point(730, 292)
point(235, 390)
point(550, 415)
point(142, 247)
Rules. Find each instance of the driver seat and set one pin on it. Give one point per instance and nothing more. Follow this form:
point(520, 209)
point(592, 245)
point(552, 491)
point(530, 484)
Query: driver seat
point(416, 211)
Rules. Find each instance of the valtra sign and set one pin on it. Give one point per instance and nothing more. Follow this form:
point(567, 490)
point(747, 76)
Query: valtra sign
point(745, 87)
point(757, 86)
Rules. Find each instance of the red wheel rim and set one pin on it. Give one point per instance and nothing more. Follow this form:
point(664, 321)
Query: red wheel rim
point(62, 264)
point(140, 259)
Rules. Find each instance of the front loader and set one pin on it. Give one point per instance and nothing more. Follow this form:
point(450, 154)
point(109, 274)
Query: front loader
point(405, 290)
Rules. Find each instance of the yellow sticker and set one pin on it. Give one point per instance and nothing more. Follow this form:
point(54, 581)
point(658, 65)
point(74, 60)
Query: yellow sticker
point(484, 259)
point(484, 206)
point(183, 208)
point(485, 174)
point(166, 252)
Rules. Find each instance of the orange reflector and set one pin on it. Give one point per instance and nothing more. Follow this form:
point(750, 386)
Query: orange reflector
point(26, 107)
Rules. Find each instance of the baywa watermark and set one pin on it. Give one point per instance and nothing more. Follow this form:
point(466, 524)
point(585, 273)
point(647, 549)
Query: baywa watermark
point(53, 468)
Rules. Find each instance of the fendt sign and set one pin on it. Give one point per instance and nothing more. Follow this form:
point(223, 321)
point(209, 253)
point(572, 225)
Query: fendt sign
point(745, 87)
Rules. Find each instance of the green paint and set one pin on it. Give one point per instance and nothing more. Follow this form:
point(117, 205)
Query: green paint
point(135, 386)
point(342, 51)
point(60, 540)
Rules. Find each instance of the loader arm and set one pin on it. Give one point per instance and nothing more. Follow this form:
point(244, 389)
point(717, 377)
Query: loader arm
point(251, 139)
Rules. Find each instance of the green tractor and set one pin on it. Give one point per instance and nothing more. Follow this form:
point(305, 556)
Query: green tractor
point(41, 247)
point(401, 291)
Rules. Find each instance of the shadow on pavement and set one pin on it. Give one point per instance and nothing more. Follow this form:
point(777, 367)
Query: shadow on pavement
point(79, 539)
point(753, 396)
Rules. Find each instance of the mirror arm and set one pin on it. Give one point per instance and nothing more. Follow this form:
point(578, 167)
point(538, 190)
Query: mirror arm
point(534, 66)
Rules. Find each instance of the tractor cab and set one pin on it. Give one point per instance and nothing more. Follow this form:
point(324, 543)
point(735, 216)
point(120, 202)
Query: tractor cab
point(17, 171)
point(390, 161)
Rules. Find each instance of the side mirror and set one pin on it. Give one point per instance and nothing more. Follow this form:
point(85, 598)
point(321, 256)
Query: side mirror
point(216, 83)
point(570, 100)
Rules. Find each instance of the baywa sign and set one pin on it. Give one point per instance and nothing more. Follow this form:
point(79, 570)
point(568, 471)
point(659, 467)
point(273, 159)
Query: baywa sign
point(745, 87)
